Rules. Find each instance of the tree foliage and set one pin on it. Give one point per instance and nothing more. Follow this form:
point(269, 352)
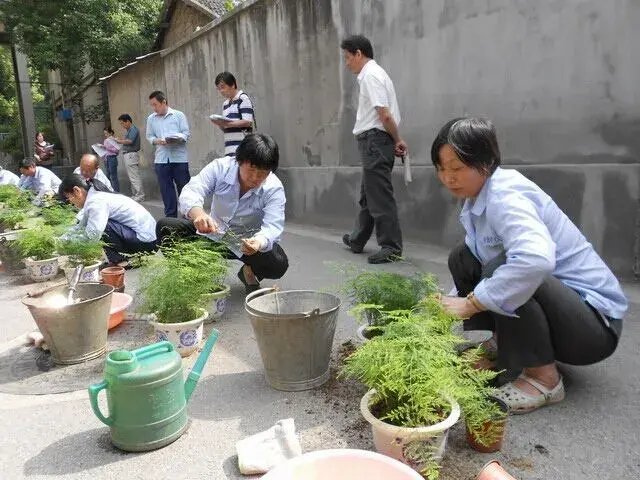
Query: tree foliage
point(66, 35)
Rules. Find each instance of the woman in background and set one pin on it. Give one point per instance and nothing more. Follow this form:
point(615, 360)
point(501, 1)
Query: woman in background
point(44, 152)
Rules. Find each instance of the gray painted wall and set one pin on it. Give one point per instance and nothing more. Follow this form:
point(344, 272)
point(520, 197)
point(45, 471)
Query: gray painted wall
point(558, 77)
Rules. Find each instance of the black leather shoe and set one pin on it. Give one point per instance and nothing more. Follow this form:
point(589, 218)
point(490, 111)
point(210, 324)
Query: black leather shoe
point(248, 287)
point(384, 256)
point(346, 239)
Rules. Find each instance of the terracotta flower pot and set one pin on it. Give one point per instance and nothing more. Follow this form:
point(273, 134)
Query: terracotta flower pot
point(397, 442)
point(493, 471)
point(113, 276)
point(498, 426)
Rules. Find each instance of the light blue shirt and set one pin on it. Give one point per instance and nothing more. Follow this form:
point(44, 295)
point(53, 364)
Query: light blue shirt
point(173, 124)
point(259, 213)
point(8, 178)
point(44, 181)
point(512, 215)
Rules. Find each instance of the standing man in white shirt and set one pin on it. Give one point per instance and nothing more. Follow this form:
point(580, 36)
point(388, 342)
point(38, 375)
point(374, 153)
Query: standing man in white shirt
point(379, 142)
point(247, 210)
point(39, 180)
point(89, 169)
point(238, 108)
point(8, 178)
point(168, 130)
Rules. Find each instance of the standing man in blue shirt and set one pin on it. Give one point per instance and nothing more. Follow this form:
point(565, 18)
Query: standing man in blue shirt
point(525, 270)
point(168, 130)
point(247, 209)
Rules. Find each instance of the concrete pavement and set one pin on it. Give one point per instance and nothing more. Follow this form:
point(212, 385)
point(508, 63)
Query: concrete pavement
point(593, 434)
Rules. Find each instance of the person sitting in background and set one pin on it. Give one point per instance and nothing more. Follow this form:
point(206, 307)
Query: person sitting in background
point(525, 270)
point(44, 152)
point(247, 209)
point(90, 169)
point(8, 178)
point(124, 225)
point(111, 159)
point(39, 180)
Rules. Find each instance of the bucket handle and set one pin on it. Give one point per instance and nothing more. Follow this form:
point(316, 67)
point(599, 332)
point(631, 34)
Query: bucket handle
point(257, 293)
point(93, 397)
point(313, 313)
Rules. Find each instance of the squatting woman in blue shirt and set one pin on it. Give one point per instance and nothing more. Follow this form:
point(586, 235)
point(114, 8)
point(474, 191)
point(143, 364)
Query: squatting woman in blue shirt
point(525, 270)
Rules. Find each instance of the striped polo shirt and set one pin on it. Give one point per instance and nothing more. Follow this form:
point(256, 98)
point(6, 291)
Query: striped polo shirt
point(239, 108)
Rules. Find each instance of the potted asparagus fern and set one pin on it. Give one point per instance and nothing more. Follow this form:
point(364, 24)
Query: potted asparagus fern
point(37, 247)
point(81, 250)
point(419, 385)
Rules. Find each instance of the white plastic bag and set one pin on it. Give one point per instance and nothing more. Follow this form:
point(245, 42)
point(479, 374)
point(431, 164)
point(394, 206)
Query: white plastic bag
point(263, 451)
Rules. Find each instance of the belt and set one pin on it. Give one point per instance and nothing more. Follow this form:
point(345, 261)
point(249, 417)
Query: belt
point(370, 132)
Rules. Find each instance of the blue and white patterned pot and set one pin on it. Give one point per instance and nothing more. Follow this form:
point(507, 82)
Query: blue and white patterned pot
point(186, 337)
point(90, 273)
point(41, 270)
point(217, 304)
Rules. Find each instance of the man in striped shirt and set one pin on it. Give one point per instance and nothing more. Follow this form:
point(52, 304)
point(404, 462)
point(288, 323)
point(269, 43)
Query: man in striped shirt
point(238, 110)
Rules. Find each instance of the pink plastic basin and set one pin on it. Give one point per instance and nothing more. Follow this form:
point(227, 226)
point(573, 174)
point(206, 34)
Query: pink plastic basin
point(119, 303)
point(345, 464)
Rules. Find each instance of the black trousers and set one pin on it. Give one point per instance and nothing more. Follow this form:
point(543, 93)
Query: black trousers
point(377, 205)
point(119, 239)
point(272, 264)
point(556, 324)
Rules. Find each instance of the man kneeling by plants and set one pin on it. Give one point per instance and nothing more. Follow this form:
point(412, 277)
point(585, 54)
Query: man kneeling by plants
point(247, 210)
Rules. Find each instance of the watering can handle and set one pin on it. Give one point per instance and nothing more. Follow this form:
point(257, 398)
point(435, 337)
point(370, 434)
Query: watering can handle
point(93, 397)
point(153, 348)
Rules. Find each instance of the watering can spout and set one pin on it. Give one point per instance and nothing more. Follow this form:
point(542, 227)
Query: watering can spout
point(194, 374)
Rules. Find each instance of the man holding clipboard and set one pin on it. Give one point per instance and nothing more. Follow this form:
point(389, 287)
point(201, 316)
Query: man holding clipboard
point(237, 118)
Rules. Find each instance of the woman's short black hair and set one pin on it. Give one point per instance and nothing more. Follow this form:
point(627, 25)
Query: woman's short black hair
point(473, 139)
point(260, 150)
point(227, 78)
point(354, 43)
point(109, 130)
point(76, 180)
point(125, 117)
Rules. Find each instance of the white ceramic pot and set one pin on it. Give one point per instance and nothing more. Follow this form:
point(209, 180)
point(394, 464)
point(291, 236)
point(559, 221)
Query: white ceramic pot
point(186, 337)
point(11, 235)
point(90, 273)
point(361, 334)
point(217, 304)
point(41, 270)
point(395, 442)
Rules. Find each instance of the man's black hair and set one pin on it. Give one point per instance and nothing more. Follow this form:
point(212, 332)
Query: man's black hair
point(260, 150)
point(158, 95)
point(125, 117)
point(473, 139)
point(227, 78)
point(354, 43)
point(27, 163)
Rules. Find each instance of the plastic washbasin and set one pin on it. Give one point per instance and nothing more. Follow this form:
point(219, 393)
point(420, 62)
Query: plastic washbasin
point(346, 464)
point(119, 304)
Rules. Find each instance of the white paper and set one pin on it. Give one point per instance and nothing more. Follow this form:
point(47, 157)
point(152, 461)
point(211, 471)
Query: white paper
point(263, 451)
point(220, 118)
point(113, 144)
point(407, 170)
point(100, 150)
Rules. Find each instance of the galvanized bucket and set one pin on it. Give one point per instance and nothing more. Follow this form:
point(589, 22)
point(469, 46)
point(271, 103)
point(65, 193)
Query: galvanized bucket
point(74, 333)
point(294, 330)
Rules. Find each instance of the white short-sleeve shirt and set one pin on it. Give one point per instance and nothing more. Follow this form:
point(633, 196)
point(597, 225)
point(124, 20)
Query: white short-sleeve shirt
point(376, 90)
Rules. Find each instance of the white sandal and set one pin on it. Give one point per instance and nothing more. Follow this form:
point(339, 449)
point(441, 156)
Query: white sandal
point(520, 402)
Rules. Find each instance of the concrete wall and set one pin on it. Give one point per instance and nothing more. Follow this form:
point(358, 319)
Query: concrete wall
point(559, 79)
point(184, 21)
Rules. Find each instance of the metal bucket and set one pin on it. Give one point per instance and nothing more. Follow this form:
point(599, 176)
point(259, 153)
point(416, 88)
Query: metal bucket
point(74, 333)
point(294, 330)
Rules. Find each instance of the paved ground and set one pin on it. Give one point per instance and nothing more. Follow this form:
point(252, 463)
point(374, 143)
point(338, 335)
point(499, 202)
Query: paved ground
point(592, 435)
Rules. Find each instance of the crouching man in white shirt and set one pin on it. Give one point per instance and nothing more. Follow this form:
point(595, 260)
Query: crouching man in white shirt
point(247, 210)
point(39, 180)
point(124, 225)
point(89, 168)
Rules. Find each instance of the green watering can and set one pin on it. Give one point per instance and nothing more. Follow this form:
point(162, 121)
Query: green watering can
point(146, 394)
